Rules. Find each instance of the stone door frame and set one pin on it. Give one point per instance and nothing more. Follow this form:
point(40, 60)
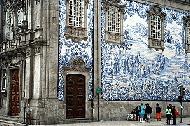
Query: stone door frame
point(78, 67)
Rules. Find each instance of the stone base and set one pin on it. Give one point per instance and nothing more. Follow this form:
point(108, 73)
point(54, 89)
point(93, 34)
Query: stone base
point(118, 110)
point(46, 111)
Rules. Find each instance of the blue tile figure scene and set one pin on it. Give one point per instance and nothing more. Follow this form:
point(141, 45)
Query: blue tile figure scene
point(130, 70)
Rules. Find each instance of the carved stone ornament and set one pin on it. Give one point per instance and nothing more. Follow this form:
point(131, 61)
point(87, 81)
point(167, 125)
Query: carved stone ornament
point(37, 50)
point(156, 10)
point(186, 21)
point(113, 37)
point(116, 3)
point(76, 33)
point(28, 52)
point(76, 65)
point(15, 4)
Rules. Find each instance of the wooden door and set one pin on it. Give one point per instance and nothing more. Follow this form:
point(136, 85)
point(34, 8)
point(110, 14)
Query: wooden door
point(14, 93)
point(75, 96)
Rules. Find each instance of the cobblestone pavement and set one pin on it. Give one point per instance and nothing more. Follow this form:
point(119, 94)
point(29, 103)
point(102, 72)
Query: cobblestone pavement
point(153, 122)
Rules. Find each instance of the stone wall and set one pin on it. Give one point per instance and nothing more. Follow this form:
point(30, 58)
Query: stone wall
point(118, 110)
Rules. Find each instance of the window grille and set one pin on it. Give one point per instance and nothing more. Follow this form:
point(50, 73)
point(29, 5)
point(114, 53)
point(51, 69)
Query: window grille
point(113, 24)
point(187, 34)
point(156, 29)
point(76, 19)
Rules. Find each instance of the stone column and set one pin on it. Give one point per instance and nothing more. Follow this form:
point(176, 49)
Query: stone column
point(37, 73)
point(97, 52)
point(28, 74)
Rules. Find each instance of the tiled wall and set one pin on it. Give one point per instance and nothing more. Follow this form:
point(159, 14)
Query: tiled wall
point(132, 71)
point(69, 50)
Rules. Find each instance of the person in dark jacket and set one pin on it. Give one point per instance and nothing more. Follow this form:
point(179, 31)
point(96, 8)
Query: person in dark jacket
point(137, 112)
point(168, 115)
point(158, 112)
point(174, 115)
point(148, 111)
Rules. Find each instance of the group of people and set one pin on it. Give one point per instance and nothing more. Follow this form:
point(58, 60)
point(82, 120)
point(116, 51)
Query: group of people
point(171, 112)
point(143, 112)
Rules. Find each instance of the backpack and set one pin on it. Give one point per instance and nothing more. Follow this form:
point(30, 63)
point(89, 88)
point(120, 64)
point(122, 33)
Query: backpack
point(176, 113)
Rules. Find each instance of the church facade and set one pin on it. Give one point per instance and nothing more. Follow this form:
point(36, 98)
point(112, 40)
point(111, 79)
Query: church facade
point(92, 59)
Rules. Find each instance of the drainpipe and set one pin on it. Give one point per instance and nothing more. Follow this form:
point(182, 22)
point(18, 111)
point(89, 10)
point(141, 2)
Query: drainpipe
point(92, 89)
point(1, 23)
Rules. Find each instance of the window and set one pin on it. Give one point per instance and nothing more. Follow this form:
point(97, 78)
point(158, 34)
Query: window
point(187, 34)
point(113, 24)
point(76, 25)
point(4, 80)
point(156, 29)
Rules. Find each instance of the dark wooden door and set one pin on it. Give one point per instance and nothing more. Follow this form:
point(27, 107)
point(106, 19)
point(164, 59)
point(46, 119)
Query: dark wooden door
point(14, 93)
point(75, 96)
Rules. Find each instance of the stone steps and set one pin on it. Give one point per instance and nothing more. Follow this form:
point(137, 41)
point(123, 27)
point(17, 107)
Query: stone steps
point(70, 121)
point(10, 121)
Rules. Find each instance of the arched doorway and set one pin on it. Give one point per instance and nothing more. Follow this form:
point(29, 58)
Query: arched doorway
point(75, 96)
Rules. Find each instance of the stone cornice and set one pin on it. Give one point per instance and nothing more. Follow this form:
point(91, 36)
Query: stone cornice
point(167, 3)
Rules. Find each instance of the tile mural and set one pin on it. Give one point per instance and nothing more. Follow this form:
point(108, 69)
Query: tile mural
point(69, 50)
point(131, 70)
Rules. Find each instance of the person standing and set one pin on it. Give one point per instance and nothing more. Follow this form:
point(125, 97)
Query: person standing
point(148, 111)
point(168, 115)
point(142, 112)
point(137, 110)
point(158, 112)
point(174, 115)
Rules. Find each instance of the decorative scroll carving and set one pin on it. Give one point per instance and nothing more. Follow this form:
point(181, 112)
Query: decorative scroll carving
point(15, 4)
point(76, 33)
point(186, 21)
point(116, 3)
point(37, 50)
point(28, 52)
point(77, 65)
point(156, 10)
point(113, 36)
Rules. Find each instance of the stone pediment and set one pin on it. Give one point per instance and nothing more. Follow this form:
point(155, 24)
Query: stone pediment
point(76, 64)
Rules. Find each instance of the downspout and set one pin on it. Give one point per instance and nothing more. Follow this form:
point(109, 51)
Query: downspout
point(1, 23)
point(32, 54)
point(92, 89)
